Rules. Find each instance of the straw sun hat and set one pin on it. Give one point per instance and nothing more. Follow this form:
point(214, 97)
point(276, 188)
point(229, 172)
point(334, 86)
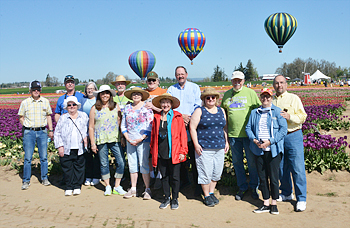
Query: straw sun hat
point(210, 91)
point(175, 101)
point(120, 78)
point(129, 93)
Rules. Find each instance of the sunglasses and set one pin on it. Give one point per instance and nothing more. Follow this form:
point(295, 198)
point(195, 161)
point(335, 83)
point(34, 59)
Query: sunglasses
point(37, 90)
point(151, 80)
point(210, 97)
point(267, 96)
point(71, 105)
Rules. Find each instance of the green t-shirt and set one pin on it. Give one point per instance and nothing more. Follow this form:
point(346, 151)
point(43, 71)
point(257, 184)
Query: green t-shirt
point(121, 101)
point(238, 106)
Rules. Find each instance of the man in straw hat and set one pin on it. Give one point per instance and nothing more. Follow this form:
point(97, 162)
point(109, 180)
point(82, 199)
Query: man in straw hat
point(238, 103)
point(189, 95)
point(120, 84)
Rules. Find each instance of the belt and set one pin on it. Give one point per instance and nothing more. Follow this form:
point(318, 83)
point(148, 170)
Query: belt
point(293, 131)
point(35, 128)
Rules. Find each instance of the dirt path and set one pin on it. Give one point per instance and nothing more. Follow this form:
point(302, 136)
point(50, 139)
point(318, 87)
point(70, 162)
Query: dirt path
point(39, 206)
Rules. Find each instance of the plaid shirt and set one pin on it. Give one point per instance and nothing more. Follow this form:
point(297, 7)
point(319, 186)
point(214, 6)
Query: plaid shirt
point(35, 112)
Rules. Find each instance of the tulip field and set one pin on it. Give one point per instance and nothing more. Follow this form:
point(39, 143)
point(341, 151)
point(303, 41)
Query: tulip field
point(324, 106)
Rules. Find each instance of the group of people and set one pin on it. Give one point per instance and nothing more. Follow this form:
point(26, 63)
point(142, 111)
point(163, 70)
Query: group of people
point(162, 131)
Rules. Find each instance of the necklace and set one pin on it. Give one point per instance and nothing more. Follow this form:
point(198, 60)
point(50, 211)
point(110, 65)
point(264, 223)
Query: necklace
point(120, 100)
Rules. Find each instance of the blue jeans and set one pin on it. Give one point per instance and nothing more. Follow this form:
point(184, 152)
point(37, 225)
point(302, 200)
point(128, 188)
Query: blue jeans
point(237, 145)
point(115, 148)
point(31, 137)
point(138, 156)
point(293, 162)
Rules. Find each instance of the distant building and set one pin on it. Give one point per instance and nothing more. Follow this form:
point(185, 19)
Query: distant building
point(268, 76)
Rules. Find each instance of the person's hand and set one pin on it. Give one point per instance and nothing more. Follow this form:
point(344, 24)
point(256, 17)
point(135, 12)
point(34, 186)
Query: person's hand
point(198, 149)
point(285, 115)
point(257, 142)
point(186, 118)
point(61, 151)
point(148, 105)
point(265, 144)
point(227, 147)
point(94, 148)
point(182, 157)
point(51, 135)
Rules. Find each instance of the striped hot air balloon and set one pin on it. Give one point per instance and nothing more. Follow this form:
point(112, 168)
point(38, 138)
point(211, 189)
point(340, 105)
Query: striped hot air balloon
point(280, 27)
point(191, 41)
point(142, 62)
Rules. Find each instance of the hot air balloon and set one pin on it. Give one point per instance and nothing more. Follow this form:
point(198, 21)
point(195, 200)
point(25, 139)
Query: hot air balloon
point(142, 62)
point(191, 41)
point(280, 27)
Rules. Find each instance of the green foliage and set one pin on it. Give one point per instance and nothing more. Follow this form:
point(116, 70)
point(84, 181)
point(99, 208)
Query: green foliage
point(218, 75)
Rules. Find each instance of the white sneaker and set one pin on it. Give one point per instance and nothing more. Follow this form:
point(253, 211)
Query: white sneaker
point(68, 192)
point(76, 191)
point(285, 198)
point(301, 206)
point(87, 182)
point(94, 182)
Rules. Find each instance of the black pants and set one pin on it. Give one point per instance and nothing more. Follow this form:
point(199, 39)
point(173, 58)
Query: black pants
point(268, 168)
point(170, 177)
point(192, 161)
point(73, 167)
point(92, 165)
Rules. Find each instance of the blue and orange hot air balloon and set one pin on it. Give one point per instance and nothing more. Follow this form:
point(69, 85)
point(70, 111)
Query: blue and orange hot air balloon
point(142, 62)
point(280, 27)
point(191, 41)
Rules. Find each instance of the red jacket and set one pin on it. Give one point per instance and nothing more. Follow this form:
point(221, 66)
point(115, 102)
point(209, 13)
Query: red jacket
point(178, 138)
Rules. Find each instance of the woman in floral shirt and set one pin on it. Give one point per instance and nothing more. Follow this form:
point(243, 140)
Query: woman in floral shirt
point(136, 127)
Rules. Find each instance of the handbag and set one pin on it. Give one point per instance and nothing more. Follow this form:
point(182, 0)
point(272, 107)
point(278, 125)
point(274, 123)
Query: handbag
point(85, 150)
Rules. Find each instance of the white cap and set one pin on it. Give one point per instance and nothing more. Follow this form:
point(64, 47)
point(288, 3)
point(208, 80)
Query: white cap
point(237, 74)
point(68, 99)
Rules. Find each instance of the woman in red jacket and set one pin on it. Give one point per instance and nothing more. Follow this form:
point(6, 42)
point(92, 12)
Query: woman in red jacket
point(168, 146)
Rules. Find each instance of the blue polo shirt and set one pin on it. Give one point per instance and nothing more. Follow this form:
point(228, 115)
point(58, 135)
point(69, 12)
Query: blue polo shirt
point(59, 107)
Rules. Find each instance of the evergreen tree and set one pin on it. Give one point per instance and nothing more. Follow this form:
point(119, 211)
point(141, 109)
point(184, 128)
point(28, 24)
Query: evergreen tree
point(218, 75)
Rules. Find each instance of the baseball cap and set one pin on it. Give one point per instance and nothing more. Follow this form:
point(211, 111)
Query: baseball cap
point(267, 90)
point(152, 75)
point(69, 78)
point(237, 74)
point(35, 85)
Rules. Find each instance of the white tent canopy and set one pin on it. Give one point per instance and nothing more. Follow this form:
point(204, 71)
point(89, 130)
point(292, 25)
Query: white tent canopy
point(318, 75)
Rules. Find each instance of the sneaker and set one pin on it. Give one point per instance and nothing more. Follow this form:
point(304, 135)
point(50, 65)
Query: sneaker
point(301, 206)
point(255, 194)
point(46, 182)
point(94, 182)
point(25, 185)
point(263, 209)
point(165, 203)
point(68, 192)
point(215, 200)
point(240, 194)
point(108, 190)
point(130, 194)
point(208, 201)
point(174, 204)
point(274, 210)
point(87, 182)
point(147, 195)
point(76, 191)
point(285, 198)
point(119, 191)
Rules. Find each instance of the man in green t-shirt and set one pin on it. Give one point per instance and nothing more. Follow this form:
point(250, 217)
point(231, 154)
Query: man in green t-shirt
point(238, 103)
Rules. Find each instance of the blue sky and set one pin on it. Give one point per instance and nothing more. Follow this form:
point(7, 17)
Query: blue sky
point(88, 39)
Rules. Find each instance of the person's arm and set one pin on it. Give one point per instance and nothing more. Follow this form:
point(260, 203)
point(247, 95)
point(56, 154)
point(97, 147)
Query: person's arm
point(299, 116)
point(21, 119)
point(58, 138)
point(92, 129)
point(227, 145)
point(57, 117)
point(196, 117)
point(49, 123)
point(282, 129)
point(183, 140)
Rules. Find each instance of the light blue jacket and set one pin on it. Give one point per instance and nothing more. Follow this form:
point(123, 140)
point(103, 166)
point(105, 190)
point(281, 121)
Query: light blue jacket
point(277, 126)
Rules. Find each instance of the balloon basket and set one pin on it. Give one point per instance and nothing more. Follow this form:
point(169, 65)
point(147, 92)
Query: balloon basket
point(191, 63)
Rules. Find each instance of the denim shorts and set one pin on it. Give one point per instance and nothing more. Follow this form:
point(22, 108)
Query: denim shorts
point(138, 156)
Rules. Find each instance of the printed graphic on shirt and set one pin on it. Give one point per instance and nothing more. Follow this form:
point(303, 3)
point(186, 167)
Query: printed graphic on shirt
point(238, 103)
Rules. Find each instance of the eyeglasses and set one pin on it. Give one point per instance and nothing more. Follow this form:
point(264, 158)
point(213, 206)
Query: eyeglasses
point(90, 89)
point(71, 105)
point(267, 96)
point(210, 97)
point(151, 80)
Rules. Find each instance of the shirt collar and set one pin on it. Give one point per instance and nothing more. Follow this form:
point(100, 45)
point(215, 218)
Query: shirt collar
point(282, 95)
point(39, 100)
